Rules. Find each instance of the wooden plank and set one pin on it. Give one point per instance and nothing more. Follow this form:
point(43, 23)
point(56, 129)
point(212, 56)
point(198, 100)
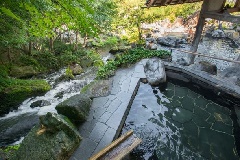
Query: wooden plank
point(127, 150)
point(199, 54)
point(111, 146)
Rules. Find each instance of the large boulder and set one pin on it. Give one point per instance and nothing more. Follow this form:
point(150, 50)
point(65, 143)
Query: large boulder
point(54, 138)
point(76, 108)
point(206, 67)
point(155, 71)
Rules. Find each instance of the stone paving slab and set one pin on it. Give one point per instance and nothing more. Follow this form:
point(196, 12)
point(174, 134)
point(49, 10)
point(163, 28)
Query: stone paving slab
point(107, 114)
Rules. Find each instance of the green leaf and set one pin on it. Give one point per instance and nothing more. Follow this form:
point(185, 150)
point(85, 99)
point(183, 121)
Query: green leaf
point(9, 13)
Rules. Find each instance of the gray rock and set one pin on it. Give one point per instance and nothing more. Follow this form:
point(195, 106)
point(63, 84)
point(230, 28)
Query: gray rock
point(40, 103)
point(151, 40)
point(155, 71)
point(76, 69)
point(206, 67)
point(76, 108)
point(98, 88)
point(53, 138)
point(218, 34)
point(232, 73)
point(153, 46)
point(171, 41)
point(13, 128)
point(182, 62)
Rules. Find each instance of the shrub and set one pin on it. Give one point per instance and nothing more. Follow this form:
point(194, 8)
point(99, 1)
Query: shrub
point(129, 57)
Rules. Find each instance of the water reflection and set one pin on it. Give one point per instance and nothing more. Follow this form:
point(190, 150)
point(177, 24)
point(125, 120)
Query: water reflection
point(177, 123)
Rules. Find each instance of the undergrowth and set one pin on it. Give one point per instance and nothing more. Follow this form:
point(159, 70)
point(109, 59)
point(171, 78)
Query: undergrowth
point(129, 57)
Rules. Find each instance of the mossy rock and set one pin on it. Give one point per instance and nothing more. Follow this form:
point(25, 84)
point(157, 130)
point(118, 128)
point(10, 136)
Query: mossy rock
point(14, 92)
point(53, 138)
point(97, 88)
point(76, 108)
point(23, 71)
point(86, 62)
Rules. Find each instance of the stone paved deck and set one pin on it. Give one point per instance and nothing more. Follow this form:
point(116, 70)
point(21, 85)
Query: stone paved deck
point(107, 114)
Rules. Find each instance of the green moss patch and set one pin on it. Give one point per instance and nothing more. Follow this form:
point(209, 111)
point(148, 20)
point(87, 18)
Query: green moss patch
point(14, 91)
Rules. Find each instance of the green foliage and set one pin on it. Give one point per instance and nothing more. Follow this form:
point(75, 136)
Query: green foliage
point(8, 152)
point(3, 71)
point(129, 57)
point(110, 41)
point(22, 21)
point(130, 15)
point(170, 12)
point(47, 60)
point(69, 73)
point(9, 148)
point(27, 60)
point(95, 57)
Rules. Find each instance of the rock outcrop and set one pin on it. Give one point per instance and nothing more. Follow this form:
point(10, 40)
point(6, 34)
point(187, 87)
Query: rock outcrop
point(40, 103)
point(206, 67)
point(232, 73)
point(155, 71)
point(76, 108)
point(53, 138)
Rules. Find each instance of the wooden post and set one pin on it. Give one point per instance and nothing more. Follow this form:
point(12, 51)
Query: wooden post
point(198, 33)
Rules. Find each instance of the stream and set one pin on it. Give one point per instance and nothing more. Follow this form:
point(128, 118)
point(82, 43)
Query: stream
point(16, 124)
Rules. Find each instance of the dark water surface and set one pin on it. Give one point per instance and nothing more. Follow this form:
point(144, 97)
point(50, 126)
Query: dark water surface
point(177, 123)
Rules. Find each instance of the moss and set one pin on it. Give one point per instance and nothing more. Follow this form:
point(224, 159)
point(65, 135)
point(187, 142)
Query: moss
point(14, 91)
point(85, 88)
point(7, 152)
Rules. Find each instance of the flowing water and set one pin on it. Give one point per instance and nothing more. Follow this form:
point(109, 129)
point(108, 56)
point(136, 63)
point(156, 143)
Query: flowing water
point(17, 123)
point(177, 123)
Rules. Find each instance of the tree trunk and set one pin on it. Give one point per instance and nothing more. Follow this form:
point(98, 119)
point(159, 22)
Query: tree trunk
point(85, 40)
point(76, 43)
point(30, 47)
point(8, 55)
point(51, 44)
point(139, 32)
